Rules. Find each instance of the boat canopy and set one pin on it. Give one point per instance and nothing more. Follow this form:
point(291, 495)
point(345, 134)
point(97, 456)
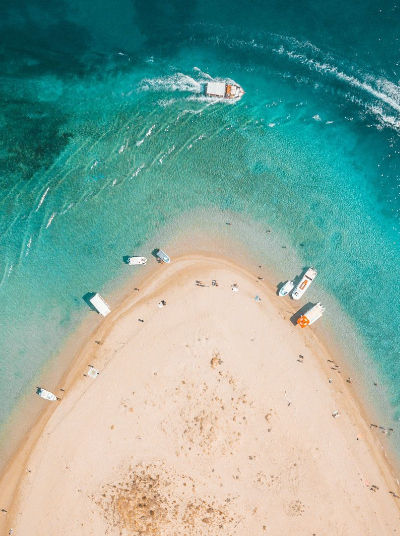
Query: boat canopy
point(215, 89)
point(100, 305)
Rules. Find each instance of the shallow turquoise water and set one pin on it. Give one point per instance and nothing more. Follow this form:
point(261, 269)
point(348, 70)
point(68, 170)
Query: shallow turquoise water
point(106, 139)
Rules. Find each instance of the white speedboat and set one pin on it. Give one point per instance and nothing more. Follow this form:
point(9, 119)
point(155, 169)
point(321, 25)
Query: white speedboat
point(224, 90)
point(286, 288)
point(163, 256)
point(311, 315)
point(47, 395)
point(304, 283)
point(136, 260)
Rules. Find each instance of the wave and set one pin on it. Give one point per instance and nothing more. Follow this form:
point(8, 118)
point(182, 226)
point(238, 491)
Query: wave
point(42, 199)
point(385, 93)
point(148, 133)
point(50, 220)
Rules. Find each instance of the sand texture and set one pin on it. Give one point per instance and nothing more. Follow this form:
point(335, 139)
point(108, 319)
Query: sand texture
point(203, 420)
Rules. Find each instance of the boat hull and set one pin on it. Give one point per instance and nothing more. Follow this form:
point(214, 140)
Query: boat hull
point(133, 261)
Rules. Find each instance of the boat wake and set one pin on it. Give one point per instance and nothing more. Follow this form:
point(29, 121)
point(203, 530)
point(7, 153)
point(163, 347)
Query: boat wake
point(386, 95)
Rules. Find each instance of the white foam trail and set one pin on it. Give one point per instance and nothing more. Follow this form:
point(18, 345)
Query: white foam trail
point(28, 246)
point(10, 270)
point(161, 160)
point(138, 170)
point(50, 220)
point(165, 102)
point(148, 133)
point(201, 137)
point(385, 91)
point(175, 82)
point(42, 199)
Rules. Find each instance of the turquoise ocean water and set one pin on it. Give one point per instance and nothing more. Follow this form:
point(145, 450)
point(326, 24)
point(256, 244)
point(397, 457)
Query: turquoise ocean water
point(107, 142)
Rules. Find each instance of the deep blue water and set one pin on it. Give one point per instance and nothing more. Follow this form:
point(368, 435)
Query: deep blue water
point(107, 139)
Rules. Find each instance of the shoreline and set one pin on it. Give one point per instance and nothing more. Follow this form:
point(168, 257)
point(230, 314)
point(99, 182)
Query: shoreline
point(16, 470)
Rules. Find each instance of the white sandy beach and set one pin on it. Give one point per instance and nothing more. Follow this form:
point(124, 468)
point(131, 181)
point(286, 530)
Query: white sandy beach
point(204, 420)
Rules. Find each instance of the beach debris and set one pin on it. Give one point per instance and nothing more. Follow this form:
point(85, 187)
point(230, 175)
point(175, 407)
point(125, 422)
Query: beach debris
point(330, 380)
point(200, 283)
point(93, 372)
point(228, 223)
point(162, 303)
point(257, 299)
point(214, 283)
point(215, 360)
point(235, 287)
point(288, 401)
point(348, 380)
point(140, 320)
point(335, 414)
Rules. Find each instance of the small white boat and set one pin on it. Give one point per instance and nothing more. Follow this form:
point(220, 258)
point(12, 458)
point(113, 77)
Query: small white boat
point(163, 256)
point(100, 305)
point(311, 315)
point(136, 260)
point(304, 283)
point(224, 90)
point(286, 288)
point(47, 395)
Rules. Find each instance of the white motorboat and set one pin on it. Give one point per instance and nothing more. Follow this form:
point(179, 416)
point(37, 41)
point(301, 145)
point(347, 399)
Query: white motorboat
point(224, 90)
point(304, 283)
point(311, 315)
point(47, 395)
point(286, 288)
point(163, 256)
point(136, 260)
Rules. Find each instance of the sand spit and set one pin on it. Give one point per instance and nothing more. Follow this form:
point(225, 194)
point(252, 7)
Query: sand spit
point(212, 415)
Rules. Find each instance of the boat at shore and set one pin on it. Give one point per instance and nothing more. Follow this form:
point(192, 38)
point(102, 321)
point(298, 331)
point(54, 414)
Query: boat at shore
point(100, 305)
point(311, 315)
point(286, 288)
point(224, 90)
point(160, 254)
point(304, 283)
point(136, 260)
point(47, 395)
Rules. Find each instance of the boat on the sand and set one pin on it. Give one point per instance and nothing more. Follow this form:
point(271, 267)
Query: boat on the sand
point(160, 254)
point(47, 395)
point(286, 288)
point(311, 315)
point(136, 260)
point(304, 283)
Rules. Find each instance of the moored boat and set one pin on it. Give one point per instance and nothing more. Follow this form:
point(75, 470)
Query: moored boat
point(136, 260)
point(100, 305)
point(163, 256)
point(47, 395)
point(224, 90)
point(311, 315)
point(286, 288)
point(305, 282)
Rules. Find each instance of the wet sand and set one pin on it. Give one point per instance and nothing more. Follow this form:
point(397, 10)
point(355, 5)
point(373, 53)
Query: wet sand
point(212, 416)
